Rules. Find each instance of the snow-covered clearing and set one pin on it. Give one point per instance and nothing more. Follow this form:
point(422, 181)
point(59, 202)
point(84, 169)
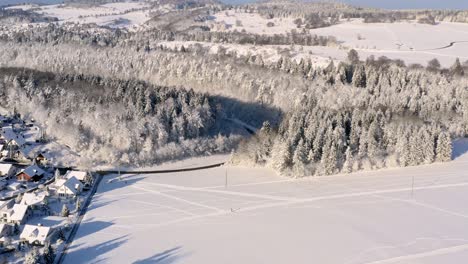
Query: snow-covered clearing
point(191, 217)
point(253, 23)
point(121, 14)
point(409, 41)
point(412, 42)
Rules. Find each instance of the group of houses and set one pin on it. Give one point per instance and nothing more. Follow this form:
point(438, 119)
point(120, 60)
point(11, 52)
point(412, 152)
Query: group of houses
point(14, 146)
point(15, 213)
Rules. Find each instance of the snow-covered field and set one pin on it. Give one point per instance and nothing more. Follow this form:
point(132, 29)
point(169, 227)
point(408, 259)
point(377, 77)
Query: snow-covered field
point(253, 23)
point(192, 217)
point(409, 41)
point(412, 42)
point(121, 14)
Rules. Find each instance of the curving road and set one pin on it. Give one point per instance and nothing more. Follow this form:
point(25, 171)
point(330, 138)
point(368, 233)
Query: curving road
point(448, 46)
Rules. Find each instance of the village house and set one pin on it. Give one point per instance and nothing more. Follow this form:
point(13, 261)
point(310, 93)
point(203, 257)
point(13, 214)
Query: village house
point(42, 158)
point(31, 173)
point(37, 203)
point(4, 209)
point(35, 235)
point(68, 187)
point(18, 214)
point(21, 155)
point(79, 175)
point(12, 138)
point(7, 170)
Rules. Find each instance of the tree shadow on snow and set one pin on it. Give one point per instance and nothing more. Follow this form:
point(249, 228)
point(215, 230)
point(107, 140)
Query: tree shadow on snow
point(113, 182)
point(460, 148)
point(91, 254)
point(90, 226)
point(165, 257)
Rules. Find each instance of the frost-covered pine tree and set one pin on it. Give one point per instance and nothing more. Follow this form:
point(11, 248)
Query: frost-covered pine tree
point(281, 155)
point(444, 148)
point(33, 256)
point(359, 77)
point(78, 205)
point(329, 161)
point(299, 158)
point(57, 175)
point(457, 69)
point(428, 147)
point(48, 254)
point(348, 164)
point(65, 211)
point(416, 150)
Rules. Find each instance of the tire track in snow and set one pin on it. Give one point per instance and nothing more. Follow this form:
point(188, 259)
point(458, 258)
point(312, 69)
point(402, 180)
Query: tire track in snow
point(306, 200)
point(356, 194)
point(436, 252)
point(243, 194)
point(179, 199)
point(374, 250)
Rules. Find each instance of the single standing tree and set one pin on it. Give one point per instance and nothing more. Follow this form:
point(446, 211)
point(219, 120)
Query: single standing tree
point(433, 65)
point(65, 212)
point(457, 69)
point(353, 56)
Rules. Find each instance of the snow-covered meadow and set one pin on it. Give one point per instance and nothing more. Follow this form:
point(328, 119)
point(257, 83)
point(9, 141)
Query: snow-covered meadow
point(192, 217)
point(120, 14)
point(410, 41)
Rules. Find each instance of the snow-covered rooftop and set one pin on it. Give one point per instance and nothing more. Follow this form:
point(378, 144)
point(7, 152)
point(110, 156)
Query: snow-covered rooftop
point(35, 233)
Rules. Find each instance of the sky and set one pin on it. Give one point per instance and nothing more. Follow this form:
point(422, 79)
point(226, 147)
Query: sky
point(397, 4)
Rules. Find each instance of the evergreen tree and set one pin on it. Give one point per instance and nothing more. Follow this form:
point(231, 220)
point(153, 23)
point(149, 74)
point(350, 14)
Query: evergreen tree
point(330, 165)
point(299, 158)
point(65, 211)
point(359, 77)
point(348, 164)
point(353, 57)
point(428, 147)
point(33, 257)
point(282, 157)
point(457, 69)
point(48, 254)
point(57, 175)
point(444, 148)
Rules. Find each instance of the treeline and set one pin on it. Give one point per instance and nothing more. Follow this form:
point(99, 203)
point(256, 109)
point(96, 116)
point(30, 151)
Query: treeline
point(381, 117)
point(326, 14)
point(109, 119)
point(14, 16)
point(235, 37)
point(108, 37)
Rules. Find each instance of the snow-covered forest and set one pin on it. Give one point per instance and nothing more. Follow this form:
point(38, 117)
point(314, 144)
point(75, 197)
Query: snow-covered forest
point(108, 120)
point(154, 101)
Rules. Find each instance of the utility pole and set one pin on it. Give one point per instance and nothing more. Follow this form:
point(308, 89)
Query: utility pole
point(412, 187)
point(226, 178)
